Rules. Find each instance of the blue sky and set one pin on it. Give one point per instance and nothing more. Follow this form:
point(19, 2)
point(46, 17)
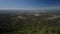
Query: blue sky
point(29, 4)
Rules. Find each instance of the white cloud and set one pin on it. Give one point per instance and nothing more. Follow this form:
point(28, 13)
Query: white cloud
point(40, 8)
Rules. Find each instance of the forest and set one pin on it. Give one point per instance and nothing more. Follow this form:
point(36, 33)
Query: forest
point(29, 24)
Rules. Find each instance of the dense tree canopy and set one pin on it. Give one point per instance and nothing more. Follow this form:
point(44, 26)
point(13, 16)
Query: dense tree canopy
point(29, 24)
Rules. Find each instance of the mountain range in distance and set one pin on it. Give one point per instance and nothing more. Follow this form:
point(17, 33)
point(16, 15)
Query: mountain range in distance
point(29, 11)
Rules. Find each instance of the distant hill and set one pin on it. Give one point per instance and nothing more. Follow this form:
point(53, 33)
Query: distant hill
point(29, 11)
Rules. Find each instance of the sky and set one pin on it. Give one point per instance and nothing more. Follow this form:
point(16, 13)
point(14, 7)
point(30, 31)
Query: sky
point(30, 4)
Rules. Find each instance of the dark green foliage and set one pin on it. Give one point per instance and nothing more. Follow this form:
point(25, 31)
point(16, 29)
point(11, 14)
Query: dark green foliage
point(29, 24)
